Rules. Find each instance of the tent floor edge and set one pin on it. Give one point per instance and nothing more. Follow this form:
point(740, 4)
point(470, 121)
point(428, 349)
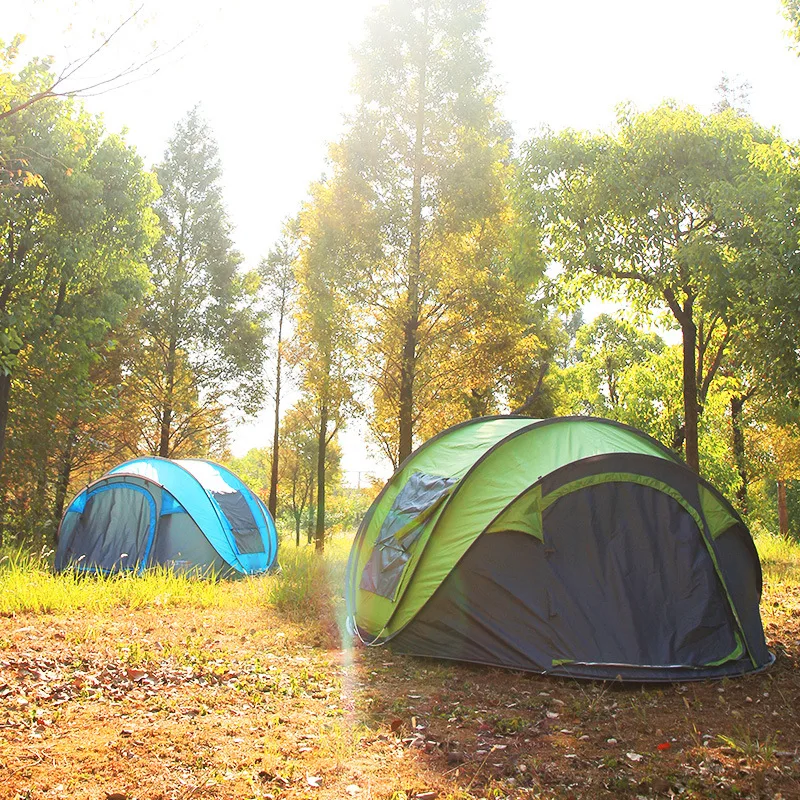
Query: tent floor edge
point(612, 672)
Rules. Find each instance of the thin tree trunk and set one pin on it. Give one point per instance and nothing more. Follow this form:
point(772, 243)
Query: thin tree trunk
point(166, 412)
point(739, 459)
point(312, 505)
point(408, 364)
point(5, 395)
point(783, 510)
point(322, 445)
point(272, 503)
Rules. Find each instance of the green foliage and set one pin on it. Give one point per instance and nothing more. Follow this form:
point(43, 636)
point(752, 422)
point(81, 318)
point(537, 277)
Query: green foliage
point(791, 10)
point(76, 224)
point(604, 351)
point(780, 557)
point(665, 213)
point(203, 335)
point(253, 468)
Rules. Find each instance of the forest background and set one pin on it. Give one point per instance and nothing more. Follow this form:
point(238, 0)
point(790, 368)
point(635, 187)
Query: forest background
point(437, 271)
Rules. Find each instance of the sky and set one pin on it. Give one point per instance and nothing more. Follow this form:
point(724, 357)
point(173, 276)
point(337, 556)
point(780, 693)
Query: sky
point(274, 78)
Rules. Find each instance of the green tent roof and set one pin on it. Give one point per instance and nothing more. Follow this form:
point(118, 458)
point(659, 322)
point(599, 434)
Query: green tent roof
point(502, 457)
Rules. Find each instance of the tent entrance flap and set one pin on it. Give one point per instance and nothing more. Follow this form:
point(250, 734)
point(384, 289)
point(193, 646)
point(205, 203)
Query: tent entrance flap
point(412, 508)
point(115, 530)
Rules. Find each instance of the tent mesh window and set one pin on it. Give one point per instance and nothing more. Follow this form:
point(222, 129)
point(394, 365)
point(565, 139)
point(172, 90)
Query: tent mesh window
point(243, 524)
point(402, 527)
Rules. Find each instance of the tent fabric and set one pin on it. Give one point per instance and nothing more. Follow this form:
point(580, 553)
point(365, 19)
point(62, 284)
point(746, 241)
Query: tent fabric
point(201, 518)
point(128, 514)
point(573, 546)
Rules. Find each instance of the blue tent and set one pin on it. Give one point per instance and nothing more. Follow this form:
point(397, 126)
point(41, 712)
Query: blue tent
point(190, 515)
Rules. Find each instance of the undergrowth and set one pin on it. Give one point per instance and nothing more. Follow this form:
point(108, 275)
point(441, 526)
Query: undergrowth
point(306, 584)
point(780, 557)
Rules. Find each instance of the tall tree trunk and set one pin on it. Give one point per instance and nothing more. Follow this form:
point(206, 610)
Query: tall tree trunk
point(5, 395)
point(783, 510)
point(684, 314)
point(166, 411)
point(62, 483)
point(690, 408)
point(322, 445)
point(737, 406)
point(272, 502)
point(408, 364)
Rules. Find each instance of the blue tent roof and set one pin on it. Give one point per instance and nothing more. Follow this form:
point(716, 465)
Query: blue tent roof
point(218, 502)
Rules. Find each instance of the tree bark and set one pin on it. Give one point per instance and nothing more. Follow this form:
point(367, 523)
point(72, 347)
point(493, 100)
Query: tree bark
point(783, 510)
point(691, 412)
point(690, 409)
point(272, 502)
point(319, 535)
point(408, 363)
point(739, 459)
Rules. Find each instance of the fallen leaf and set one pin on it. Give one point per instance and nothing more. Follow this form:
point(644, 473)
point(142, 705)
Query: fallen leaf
point(426, 796)
point(664, 746)
point(395, 725)
point(135, 674)
point(116, 796)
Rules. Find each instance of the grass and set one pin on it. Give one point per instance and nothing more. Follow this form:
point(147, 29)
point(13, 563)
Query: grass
point(304, 586)
point(780, 557)
point(744, 744)
point(120, 685)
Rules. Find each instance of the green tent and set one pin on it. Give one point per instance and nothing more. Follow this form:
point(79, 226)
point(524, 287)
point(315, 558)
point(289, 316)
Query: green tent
point(574, 546)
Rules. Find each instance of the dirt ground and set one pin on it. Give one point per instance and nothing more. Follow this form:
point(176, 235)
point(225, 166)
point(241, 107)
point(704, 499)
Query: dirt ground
point(178, 703)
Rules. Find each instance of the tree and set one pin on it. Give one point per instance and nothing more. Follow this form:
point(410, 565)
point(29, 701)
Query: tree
point(661, 212)
point(73, 244)
point(203, 332)
point(329, 263)
point(429, 155)
point(791, 10)
point(605, 349)
point(73, 80)
point(776, 442)
point(279, 282)
point(298, 467)
point(300, 444)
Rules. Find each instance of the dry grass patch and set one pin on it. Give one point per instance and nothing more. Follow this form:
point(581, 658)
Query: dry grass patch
point(250, 690)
